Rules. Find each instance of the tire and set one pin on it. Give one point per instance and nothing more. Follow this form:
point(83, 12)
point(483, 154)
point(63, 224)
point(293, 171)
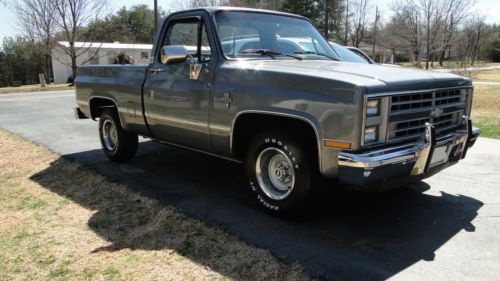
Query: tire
point(118, 145)
point(279, 172)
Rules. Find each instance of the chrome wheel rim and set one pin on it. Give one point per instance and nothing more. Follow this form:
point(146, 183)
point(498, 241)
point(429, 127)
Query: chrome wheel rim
point(275, 173)
point(109, 134)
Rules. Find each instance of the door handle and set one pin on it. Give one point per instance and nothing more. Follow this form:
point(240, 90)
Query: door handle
point(156, 70)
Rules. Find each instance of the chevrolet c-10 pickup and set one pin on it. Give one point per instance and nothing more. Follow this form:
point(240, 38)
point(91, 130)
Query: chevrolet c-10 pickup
point(266, 89)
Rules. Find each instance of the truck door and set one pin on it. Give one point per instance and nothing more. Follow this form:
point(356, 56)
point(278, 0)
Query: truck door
point(176, 100)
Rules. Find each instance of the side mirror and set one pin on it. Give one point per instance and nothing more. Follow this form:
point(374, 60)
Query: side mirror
point(173, 53)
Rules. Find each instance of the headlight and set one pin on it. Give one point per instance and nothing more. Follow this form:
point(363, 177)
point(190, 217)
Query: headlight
point(371, 134)
point(463, 95)
point(372, 108)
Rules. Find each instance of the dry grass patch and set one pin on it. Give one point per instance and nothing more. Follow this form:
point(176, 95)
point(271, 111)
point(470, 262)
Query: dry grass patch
point(59, 221)
point(36, 88)
point(488, 76)
point(448, 64)
point(486, 110)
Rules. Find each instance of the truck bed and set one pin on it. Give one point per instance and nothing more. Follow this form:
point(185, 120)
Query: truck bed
point(120, 83)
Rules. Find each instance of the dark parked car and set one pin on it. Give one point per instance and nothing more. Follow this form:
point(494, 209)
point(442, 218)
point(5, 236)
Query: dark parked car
point(348, 55)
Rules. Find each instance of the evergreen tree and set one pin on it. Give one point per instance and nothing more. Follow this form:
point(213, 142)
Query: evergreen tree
point(134, 25)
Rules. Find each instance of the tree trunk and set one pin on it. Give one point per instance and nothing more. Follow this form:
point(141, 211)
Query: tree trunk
point(475, 53)
point(48, 61)
point(46, 69)
point(428, 47)
point(326, 19)
point(73, 68)
point(442, 54)
point(346, 31)
point(375, 32)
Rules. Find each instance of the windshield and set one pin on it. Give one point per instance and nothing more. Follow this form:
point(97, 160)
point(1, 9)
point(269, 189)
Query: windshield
point(346, 54)
point(248, 34)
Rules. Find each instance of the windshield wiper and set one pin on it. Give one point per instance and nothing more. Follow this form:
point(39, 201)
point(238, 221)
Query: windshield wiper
point(268, 52)
point(315, 53)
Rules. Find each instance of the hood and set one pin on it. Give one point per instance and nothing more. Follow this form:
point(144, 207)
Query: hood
point(374, 77)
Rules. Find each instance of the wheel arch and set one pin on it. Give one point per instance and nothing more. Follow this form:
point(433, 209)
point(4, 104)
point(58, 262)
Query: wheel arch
point(239, 140)
point(97, 104)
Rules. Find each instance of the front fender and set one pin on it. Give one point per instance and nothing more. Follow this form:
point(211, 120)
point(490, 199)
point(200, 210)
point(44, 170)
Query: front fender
point(327, 157)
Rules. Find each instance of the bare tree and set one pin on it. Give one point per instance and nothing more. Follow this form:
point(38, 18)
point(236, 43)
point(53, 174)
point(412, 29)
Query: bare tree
point(359, 21)
point(427, 8)
point(420, 23)
point(73, 15)
point(455, 13)
point(259, 4)
point(478, 26)
point(375, 27)
point(38, 21)
point(467, 45)
point(346, 23)
point(409, 26)
point(190, 4)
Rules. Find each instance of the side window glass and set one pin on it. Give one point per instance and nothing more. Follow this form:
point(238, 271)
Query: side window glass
point(183, 33)
point(186, 34)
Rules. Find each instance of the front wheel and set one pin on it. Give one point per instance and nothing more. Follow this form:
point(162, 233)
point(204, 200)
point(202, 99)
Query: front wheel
point(279, 172)
point(118, 144)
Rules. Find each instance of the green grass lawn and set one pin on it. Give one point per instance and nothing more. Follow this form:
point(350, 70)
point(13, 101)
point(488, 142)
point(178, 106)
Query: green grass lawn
point(486, 110)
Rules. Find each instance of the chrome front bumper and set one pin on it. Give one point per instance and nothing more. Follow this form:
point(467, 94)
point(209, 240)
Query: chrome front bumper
point(410, 160)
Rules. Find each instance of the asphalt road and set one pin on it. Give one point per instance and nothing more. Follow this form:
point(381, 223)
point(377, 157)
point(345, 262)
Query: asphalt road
point(447, 228)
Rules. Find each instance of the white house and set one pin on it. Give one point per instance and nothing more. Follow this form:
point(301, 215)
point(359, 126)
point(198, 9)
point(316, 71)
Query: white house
point(98, 53)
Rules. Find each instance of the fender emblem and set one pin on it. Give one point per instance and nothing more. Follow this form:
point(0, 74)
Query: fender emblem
point(226, 99)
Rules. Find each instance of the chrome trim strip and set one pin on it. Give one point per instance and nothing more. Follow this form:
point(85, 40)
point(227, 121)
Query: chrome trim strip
point(219, 127)
point(102, 97)
point(363, 121)
point(174, 121)
point(418, 152)
point(376, 159)
point(476, 132)
point(423, 109)
point(383, 125)
point(425, 157)
point(198, 150)
point(383, 94)
point(468, 129)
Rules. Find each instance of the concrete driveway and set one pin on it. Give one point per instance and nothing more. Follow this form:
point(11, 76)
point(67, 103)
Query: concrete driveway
point(444, 229)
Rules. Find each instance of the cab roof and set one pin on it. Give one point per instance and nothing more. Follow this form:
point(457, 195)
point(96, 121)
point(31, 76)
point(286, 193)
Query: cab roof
point(214, 9)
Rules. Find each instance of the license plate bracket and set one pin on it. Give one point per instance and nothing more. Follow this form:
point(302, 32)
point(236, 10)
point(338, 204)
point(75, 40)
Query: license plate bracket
point(440, 155)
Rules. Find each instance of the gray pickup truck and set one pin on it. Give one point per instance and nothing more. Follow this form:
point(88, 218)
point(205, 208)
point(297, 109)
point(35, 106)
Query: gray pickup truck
point(266, 89)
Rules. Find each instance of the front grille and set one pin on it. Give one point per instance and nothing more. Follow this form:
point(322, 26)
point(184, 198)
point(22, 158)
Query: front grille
point(421, 101)
point(410, 111)
point(411, 102)
point(404, 129)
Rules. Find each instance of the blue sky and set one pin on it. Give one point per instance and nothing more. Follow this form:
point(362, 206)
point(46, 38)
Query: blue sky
point(490, 8)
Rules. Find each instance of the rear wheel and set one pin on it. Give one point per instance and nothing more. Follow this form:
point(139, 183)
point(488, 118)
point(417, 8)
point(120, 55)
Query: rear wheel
point(279, 172)
point(118, 144)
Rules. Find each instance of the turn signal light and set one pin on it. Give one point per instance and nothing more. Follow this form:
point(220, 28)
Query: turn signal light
point(337, 144)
